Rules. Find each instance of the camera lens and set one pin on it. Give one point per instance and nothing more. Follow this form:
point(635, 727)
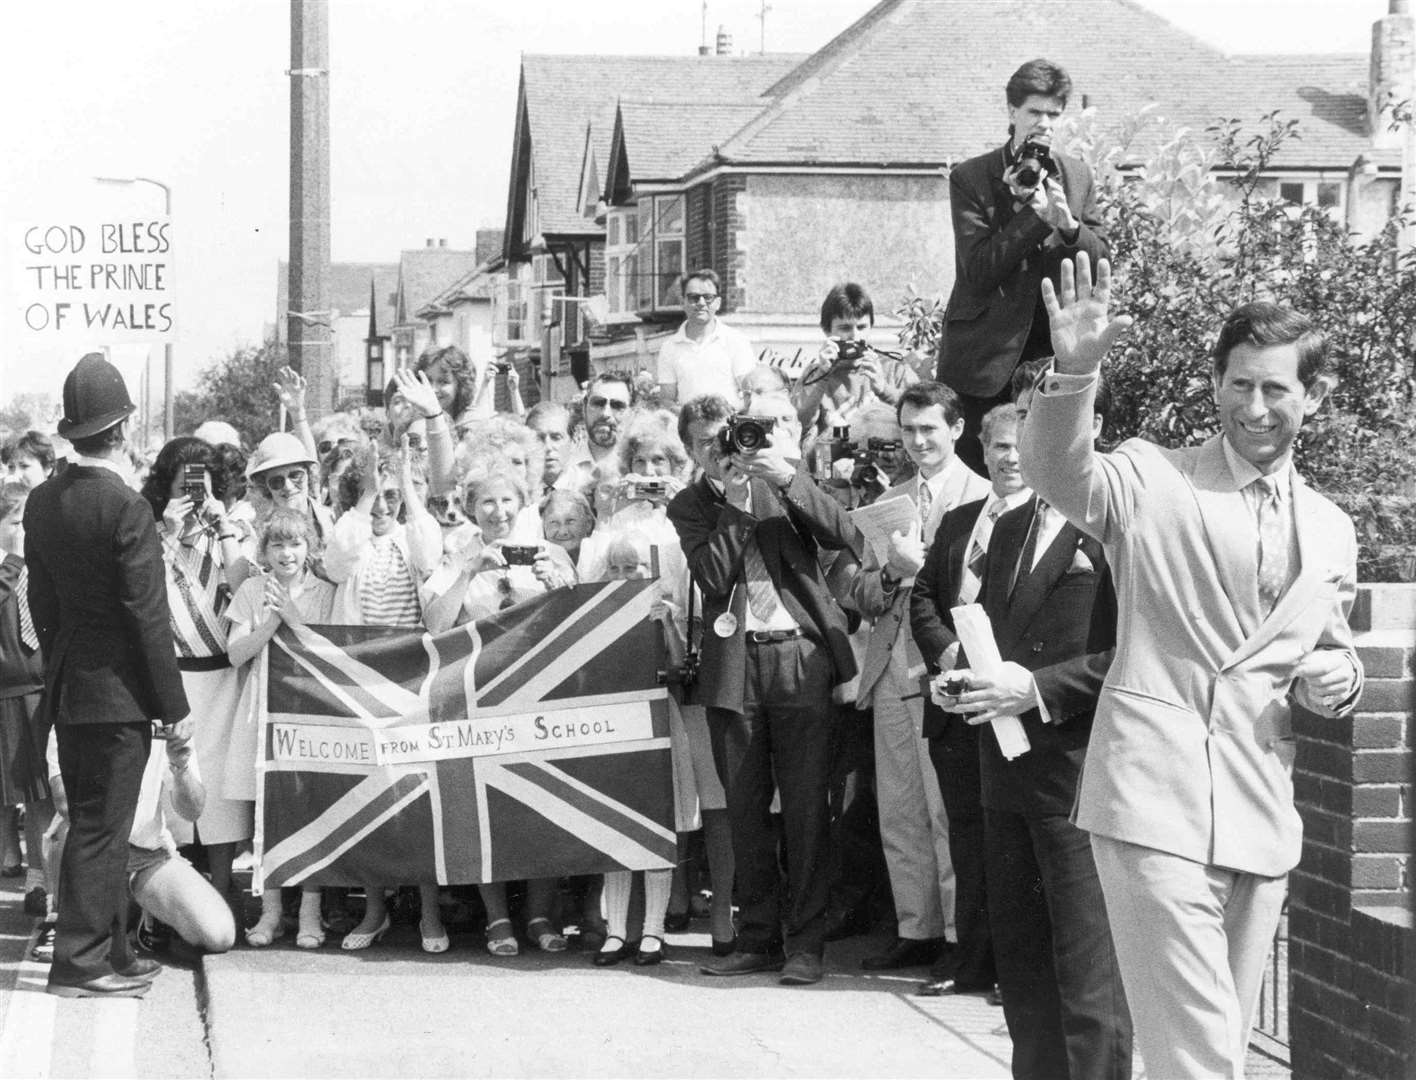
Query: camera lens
point(749, 436)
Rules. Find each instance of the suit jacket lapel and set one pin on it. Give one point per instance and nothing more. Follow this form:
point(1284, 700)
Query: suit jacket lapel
point(1034, 585)
point(1230, 530)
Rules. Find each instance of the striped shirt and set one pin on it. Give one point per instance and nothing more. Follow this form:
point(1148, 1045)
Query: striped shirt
point(388, 594)
point(197, 594)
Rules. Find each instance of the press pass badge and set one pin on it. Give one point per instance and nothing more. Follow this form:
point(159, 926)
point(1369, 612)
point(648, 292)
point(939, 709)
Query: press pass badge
point(725, 625)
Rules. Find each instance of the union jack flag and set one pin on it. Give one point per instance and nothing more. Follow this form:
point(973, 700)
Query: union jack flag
point(530, 744)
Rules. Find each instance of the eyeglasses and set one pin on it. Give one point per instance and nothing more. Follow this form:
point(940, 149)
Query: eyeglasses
point(279, 481)
point(598, 402)
point(392, 496)
point(699, 298)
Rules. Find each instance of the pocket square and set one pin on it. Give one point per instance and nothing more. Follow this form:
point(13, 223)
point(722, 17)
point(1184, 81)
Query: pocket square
point(1080, 563)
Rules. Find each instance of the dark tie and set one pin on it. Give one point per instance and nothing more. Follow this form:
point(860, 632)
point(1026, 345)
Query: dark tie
point(1025, 560)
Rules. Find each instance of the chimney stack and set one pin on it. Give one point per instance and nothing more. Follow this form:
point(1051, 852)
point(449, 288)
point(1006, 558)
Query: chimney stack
point(428, 242)
point(1393, 72)
point(725, 41)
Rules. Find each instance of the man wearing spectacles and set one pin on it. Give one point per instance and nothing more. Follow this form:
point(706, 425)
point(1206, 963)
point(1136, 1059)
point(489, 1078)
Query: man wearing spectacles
point(705, 355)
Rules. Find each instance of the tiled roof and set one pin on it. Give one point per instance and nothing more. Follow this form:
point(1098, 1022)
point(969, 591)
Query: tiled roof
point(425, 273)
point(489, 244)
point(348, 291)
point(921, 82)
point(565, 93)
point(659, 144)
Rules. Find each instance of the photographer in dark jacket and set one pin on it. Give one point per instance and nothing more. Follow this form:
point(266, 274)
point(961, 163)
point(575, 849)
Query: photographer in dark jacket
point(98, 594)
point(1018, 211)
point(775, 644)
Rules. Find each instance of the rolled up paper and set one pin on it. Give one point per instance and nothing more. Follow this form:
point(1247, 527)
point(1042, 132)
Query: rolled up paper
point(976, 636)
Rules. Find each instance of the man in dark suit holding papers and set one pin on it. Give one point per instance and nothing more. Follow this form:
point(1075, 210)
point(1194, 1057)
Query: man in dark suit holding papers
point(1047, 592)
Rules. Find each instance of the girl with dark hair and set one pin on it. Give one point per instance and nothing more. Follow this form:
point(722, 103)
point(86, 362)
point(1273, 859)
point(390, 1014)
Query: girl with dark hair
point(201, 549)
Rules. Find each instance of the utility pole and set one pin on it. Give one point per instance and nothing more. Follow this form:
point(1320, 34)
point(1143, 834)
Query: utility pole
point(762, 28)
point(309, 328)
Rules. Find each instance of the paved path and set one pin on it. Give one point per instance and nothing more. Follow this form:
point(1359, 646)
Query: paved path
point(392, 1011)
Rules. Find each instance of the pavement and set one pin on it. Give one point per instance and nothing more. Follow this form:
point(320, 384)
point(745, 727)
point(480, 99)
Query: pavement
point(394, 1011)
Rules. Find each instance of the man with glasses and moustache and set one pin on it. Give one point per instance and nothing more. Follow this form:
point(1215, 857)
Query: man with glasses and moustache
point(705, 356)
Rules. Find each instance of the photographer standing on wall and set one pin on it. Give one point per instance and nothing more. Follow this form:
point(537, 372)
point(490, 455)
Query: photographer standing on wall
point(1018, 211)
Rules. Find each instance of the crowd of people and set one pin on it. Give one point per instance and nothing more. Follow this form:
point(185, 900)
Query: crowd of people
point(840, 715)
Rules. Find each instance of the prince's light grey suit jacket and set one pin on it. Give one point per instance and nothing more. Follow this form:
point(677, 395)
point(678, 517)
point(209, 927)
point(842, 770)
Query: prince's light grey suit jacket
point(1192, 748)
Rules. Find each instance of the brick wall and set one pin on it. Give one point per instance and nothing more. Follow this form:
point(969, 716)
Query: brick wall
point(1349, 898)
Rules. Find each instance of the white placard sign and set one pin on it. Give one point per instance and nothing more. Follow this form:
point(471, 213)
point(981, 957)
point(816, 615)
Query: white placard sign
point(99, 280)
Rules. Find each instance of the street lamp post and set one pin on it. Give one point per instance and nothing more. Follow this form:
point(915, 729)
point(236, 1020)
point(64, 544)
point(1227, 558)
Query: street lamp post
point(167, 415)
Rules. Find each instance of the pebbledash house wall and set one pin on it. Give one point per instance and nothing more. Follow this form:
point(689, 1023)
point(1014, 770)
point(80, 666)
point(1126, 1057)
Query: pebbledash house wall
point(1349, 923)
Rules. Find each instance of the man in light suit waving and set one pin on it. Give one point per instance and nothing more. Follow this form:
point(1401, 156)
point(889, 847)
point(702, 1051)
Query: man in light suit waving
point(1234, 581)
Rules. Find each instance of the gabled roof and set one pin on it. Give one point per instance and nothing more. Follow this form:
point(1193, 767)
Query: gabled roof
point(561, 95)
point(921, 82)
point(424, 274)
point(348, 291)
point(651, 141)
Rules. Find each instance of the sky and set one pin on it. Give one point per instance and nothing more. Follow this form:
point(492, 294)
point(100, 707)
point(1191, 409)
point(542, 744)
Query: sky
point(423, 96)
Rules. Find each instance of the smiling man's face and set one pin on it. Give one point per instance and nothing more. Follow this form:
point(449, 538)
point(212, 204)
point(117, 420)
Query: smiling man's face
point(1262, 403)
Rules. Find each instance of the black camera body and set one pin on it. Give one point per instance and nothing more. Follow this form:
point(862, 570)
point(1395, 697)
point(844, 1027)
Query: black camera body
point(520, 554)
point(955, 687)
point(746, 434)
point(194, 482)
point(1034, 159)
point(848, 352)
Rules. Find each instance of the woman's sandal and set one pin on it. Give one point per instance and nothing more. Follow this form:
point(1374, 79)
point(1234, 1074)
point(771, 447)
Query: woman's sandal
point(306, 938)
point(263, 934)
point(547, 940)
point(501, 944)
point(433, 943)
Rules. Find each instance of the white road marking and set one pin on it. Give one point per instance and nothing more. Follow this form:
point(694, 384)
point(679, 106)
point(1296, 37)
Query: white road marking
point(27, 1038)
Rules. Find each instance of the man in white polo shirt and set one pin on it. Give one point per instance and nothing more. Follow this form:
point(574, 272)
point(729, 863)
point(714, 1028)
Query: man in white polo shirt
point(705, 356)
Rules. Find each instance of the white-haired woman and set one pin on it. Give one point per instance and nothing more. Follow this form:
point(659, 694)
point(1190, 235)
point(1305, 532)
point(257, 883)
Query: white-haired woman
point(477, 583)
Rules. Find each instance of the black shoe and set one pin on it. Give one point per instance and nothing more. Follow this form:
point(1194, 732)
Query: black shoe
point(745, 963)
point(43, 950)
point(140, 967)
point(905, 952)
point(677, 924)
point(611, 957)
point(995, 997)
point(801, 969)
point(154, 936)
point(37, 902)
point(725, 948)
point(650, 957)
point(114, 985)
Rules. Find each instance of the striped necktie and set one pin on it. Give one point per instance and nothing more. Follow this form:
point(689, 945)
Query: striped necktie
point(761, 597)
point(27, 631)
point(1026, 559)
point(978, 552)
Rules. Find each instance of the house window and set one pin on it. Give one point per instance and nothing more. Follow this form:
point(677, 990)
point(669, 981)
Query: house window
point(1324, 194)
point(644, 255)
point(511, 323)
